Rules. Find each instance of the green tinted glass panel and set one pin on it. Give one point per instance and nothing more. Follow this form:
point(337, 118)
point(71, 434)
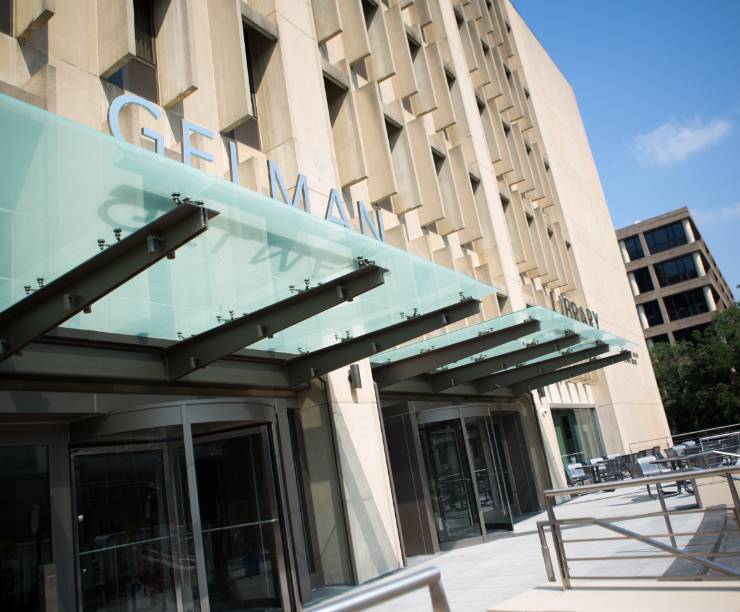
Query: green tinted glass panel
point(552, 326)
point(66, 185)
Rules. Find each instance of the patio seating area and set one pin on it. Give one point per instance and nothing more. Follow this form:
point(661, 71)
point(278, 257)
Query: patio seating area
point(692, 453)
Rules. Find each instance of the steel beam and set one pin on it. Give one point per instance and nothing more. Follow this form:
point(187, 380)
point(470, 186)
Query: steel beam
point(218, 342)
point(304, 367)
point(546, 366)
point(453, 377)
point(543, 380)
point(76, 290)
point(116, 367)
point(403, 369)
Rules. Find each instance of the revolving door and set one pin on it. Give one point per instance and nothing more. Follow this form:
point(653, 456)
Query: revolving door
point(466, 474)
point(178, 515)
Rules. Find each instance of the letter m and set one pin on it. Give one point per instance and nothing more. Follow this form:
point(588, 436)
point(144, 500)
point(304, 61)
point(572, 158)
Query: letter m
point(277, 186)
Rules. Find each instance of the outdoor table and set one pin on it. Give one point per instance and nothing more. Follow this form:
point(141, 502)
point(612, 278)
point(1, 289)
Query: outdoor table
point(690, 458)
point(673, 462)
point(593, 470)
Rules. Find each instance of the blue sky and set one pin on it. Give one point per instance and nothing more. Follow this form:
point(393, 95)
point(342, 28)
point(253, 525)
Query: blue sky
point(658, 84)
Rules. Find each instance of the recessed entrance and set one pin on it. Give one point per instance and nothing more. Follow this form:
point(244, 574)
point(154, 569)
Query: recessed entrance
point(460, 472)
point(450, 483)
point(178, 517)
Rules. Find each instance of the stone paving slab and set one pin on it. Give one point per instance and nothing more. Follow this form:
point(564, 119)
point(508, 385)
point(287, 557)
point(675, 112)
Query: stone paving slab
point(615, 596)
point(477, 578)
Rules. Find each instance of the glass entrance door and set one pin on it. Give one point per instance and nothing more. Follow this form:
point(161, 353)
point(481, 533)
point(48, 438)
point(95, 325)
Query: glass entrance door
point(136, 547)
point(489, 476)
point(450, 484)
point(124, 541)
point(239, 519)
point(25, 525)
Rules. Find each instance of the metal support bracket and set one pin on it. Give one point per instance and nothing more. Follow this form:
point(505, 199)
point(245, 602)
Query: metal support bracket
point(456, 376)
point(74, 291)
point(218, 342)
point(304, 367)
point(565, 373)
point(546, 366)
point(403, 369)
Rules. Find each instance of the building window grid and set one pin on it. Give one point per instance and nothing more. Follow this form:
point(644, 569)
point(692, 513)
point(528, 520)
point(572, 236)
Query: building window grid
point(643, 280)
point(652, 313)
point(686, 304)
point(634, 247)
point(676, 270)
point(666, 237)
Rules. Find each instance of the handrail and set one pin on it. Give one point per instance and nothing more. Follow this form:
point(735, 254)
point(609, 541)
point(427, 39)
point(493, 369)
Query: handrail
point(556, 525)
point(698, 433)
point(374, 594)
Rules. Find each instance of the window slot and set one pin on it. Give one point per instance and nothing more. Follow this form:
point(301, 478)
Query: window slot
point(6, 17)
point(139, 75)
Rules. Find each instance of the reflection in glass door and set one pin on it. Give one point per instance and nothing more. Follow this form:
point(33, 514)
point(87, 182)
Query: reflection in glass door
point(488, 474)
point(25, 525)
point(450, 485)
point(123, 532)
point(136, 551)
point(239, 519)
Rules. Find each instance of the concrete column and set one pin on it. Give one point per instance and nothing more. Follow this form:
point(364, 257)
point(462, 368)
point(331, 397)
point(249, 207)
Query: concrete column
point(688, 230)
point(699, 264)
point(650, 343)
point(623, 250)
point(643, 316)
point(633, 284)
point(709, 296)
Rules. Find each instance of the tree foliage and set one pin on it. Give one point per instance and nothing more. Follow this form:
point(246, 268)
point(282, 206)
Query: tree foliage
point(699, 380)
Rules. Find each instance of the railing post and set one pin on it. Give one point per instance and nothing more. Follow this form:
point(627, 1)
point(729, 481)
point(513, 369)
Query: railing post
point(664, 508)
point(735, 498)
point(557, 539)
point(545, 552)
point(439, 599)
point(697, 495)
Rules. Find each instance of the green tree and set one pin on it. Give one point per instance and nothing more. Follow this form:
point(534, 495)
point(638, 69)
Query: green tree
point(699, 380)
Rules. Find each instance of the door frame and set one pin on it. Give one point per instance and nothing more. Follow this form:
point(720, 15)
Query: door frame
point(462, 414)
point(264, 431)
point(170, 493)
point(60, 508)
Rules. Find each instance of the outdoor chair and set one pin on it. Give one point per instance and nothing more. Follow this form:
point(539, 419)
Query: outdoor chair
point(575, 474)
point(657, 453)
point(676, 451)
point(648, 468)
point(596, 462)
point(614, 469)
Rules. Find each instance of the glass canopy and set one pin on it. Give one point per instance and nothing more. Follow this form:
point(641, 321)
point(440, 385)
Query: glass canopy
point(552, 326)
point(65, 186)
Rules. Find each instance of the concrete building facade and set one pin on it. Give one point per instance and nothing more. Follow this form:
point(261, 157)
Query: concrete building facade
point(433, 143)
point(677, 285)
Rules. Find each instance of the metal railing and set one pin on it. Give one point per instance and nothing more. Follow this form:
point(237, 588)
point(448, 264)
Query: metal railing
point(556, 526)
point(665, 441)
point(374, 594)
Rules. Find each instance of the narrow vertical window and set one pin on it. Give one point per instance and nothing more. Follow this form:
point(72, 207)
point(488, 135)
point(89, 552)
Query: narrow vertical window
point(139, 76)
point(258, 48)
point(6, 17)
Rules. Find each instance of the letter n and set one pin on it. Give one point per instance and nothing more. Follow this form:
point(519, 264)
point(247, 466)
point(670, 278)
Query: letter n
point(376, 230)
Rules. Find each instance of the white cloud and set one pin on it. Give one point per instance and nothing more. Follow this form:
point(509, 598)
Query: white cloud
point(674, 141)
point(726, 214)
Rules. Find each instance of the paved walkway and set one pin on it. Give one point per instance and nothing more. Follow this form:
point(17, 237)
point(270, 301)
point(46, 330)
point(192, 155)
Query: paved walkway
point(477, 577)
